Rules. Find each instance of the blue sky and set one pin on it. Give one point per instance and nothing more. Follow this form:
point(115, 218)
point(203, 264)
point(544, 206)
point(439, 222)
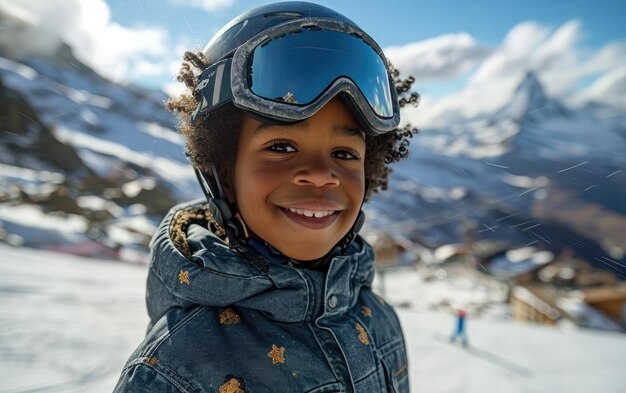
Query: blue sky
point(395, 22)
point(467, 56)
point(399, 22)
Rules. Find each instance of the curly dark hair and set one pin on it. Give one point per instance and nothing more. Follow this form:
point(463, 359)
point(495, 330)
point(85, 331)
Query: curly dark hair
point(213, 138)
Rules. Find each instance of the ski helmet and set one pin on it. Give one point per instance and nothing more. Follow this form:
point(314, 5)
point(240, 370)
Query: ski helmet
point(285, 61)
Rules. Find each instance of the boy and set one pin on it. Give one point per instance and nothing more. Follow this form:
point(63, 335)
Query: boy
point(290, 125)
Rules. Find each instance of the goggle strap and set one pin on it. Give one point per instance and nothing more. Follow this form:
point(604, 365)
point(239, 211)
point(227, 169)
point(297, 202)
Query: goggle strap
point(213, 88)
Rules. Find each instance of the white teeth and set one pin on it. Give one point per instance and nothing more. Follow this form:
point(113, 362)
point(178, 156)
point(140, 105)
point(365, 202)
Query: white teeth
point(311, 213)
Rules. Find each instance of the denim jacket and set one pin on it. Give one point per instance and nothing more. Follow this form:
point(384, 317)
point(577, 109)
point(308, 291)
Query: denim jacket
point(220, 324)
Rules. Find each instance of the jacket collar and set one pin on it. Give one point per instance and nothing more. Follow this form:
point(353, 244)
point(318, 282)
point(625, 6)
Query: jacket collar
point(215, 275)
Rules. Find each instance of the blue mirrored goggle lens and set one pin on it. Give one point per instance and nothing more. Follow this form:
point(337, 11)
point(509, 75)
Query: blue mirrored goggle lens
point(298, 67)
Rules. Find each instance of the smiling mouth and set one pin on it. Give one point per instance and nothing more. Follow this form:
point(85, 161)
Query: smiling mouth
point(312, 219)
point(311, 213)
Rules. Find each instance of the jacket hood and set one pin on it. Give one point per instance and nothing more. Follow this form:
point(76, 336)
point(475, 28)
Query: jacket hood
point(214, 275)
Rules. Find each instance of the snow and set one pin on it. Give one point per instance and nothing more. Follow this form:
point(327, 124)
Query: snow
point(110, 126)
point(15, 172)
point(96, 152)
point(96, 203)
point(161, 132)
point(525, 145)
point(14, 178)
point(20, 70)
point(133, 188)
point(33, 216)
point(104, 147)
point(121, 235)
point(505, 356)
point(69, 324)
point(586, 315)
point(82, 96)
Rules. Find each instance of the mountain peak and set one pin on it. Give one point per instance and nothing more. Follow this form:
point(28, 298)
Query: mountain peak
point(529, 97)
point(531, 89)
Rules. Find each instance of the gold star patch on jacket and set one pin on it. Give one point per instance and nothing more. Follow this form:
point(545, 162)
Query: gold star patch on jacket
point(362, 334)
point(183, 277)
point(366, 311)
point(277, 354)
point(232, 385)
point(229, 317)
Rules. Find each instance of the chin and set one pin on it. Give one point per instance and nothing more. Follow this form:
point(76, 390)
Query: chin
point(306, 254)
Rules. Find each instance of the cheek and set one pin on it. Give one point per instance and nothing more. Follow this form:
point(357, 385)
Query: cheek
point(354, 184)
point(253, 186)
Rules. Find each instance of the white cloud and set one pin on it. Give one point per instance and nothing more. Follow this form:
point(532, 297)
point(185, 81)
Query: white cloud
point(555, 55)
point(207, 5)
point(113, 50)
point(514, 53)
point(610, 88)
point(438, 58)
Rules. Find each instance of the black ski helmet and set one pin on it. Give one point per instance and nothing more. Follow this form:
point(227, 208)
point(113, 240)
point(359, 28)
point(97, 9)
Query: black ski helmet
point(259, 57)
point(249, 24)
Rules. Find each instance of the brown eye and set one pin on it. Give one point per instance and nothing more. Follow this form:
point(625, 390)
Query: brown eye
point(282, 147)
point(346, 154)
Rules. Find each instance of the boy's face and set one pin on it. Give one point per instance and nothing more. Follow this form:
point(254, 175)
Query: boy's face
point(300, 187)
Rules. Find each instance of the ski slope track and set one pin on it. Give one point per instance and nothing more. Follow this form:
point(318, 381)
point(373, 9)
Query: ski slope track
point(70, 323)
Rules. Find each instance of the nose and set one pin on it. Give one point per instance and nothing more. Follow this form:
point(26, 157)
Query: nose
point(317, 172)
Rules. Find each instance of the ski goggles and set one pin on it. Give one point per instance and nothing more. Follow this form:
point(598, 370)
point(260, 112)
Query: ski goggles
point(290, 71)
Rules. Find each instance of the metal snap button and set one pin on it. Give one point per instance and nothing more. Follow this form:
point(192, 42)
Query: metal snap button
point(332, 301)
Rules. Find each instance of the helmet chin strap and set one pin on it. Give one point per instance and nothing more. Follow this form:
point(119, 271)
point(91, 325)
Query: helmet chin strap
point(234, 226)
point(223, 214)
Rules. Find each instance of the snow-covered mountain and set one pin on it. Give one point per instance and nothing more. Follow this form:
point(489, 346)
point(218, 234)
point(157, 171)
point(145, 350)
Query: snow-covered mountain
point(550, 131)
point(108, 157)
point(105, 155)
point(534, 172)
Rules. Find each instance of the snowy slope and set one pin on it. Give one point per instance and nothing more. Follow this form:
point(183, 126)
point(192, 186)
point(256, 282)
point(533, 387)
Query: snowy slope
point(70, 323)
point(505, 356)
point(67, 322)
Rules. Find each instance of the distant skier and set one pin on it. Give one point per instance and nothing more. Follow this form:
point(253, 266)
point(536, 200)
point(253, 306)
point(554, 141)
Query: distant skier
point(460, 328)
